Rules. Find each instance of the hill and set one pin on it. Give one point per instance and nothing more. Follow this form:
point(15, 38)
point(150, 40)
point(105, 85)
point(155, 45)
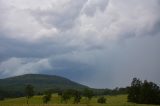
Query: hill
point(39, 81)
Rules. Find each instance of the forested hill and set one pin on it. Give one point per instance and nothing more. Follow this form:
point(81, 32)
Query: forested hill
point(40, 82)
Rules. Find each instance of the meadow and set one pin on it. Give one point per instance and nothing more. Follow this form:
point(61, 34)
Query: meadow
point(119, 100)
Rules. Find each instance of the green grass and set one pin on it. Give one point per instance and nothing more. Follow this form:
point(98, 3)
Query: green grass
point(120, 100)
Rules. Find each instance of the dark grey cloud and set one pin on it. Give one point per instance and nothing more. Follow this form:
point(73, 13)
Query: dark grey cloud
point(138, 57)
point(16, 48)
point(71, 69)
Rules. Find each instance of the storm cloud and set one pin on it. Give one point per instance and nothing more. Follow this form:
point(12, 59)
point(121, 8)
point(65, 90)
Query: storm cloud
point(100, 43)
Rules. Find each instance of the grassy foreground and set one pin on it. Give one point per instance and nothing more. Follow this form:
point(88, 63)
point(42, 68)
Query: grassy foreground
point(120, 100)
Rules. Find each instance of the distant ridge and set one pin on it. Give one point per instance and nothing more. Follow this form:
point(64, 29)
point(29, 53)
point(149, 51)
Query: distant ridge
point(41, 82)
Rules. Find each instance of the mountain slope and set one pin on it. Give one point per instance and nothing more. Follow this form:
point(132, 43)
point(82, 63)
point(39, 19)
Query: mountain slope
point(39, 81)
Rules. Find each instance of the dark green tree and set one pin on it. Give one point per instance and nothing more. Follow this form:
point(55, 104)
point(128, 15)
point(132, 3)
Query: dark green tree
point(150, 93)
point(101, 100)
point(47, 97)
point(88, 93)
point(66, 95)
point(77, 96)
point(134, 90)
point(144, 92)
point(59, 93)
point(29, 90)
point(2, 95)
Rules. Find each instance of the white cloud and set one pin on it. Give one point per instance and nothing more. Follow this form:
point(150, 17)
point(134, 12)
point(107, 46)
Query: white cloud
point(61, 15)
point(92, 33)
point(92, 6)
point(34, 20)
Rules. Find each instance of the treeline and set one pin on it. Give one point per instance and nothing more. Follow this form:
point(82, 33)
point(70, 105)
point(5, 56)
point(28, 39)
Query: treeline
point(10, 94)
point(144, 92)
point(116, 91)
point(65, 95)
point(98, 92)
point(4, 93)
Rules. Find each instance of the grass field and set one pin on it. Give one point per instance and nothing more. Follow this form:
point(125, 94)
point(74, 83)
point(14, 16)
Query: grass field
point(120, 100)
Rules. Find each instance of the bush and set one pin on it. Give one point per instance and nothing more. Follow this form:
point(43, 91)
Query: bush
point(101, 100)
point(1, 98)
point(47, 97)
point(77, 96)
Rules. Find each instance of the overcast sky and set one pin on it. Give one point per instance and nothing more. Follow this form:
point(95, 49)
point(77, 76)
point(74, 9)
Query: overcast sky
point(99, 43)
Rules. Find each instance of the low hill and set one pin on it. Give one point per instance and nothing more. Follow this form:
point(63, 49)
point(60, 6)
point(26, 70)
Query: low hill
point(40, 82)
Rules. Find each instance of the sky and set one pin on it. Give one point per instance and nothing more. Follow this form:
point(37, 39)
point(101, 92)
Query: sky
point(99, 43)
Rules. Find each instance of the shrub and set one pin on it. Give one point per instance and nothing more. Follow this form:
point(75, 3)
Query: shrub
point(1, 98)
point(47, 97)
point(101, 100)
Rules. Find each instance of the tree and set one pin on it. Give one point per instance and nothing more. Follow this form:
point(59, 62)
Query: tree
point(150, 93)
point(88, 94)
point(59, 93)
point(66, 95)
point(134, 90)
point(144, 92)
point(101, 99)
point(2, 94)
point(29, 92)
point(77, 96)
point(47, 97)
